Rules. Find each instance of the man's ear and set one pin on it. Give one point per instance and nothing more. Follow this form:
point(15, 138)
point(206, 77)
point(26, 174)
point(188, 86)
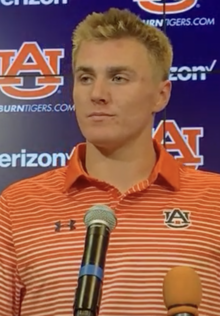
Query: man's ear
point(164, 92)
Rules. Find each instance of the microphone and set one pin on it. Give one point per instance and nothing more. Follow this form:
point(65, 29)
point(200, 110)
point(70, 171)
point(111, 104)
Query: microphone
point(182, 292)
point(100, 221)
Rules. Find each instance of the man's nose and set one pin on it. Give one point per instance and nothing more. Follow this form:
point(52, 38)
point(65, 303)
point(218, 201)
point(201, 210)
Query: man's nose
point(100, 92)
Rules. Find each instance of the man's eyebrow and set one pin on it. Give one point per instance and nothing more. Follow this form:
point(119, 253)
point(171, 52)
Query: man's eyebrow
point(118, 69)
point(84, 69)
point(110, 69)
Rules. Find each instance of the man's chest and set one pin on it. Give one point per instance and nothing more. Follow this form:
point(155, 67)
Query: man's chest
point(147, 242)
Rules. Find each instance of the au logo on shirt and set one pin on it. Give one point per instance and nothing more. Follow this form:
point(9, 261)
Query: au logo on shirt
point(177, 218)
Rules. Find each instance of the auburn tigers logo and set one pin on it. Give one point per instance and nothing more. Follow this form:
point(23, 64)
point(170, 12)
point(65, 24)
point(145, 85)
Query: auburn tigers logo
point(177, 219)
point(30, 58)
point(182, 143)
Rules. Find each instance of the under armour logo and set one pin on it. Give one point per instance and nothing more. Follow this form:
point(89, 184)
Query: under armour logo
point(59, 225)
point(177, 219)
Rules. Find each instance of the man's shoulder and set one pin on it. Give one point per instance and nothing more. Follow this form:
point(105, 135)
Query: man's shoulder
point(200, 177)
point(50, 180)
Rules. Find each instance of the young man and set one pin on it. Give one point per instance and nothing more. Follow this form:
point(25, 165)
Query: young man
point(168, 215)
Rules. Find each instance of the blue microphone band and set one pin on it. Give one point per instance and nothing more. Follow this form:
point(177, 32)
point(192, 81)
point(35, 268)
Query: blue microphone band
point(91, 269)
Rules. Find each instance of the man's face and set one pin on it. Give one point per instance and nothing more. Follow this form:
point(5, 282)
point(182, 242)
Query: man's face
point(115, 92)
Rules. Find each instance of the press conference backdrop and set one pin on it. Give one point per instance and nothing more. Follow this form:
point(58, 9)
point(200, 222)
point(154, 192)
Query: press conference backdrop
point(38, 129)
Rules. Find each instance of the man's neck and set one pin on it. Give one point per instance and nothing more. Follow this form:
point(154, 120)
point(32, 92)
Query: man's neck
point(122, 168)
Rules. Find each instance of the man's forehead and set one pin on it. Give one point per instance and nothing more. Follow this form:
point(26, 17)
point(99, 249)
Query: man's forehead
point(98, 58)
point(118, 48)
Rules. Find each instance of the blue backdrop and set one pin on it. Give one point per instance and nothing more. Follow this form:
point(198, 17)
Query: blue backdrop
point(37, 123)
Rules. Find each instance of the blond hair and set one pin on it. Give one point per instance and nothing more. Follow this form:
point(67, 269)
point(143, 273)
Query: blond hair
point(116, 24)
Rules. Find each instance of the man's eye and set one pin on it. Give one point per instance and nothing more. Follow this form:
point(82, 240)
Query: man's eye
point(85, 79)
point(119, 78)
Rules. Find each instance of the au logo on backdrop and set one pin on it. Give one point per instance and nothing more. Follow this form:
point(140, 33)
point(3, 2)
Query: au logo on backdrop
point(30, 58)
point(183, 143)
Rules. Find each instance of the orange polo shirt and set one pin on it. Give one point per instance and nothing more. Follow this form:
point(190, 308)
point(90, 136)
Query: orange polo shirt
point(171, 219)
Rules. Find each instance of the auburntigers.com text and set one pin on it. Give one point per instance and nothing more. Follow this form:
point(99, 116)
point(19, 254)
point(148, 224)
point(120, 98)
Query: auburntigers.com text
point(37, 108)
point(203, 21)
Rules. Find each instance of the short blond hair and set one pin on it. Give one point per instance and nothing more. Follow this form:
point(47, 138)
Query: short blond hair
point(116, 24)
